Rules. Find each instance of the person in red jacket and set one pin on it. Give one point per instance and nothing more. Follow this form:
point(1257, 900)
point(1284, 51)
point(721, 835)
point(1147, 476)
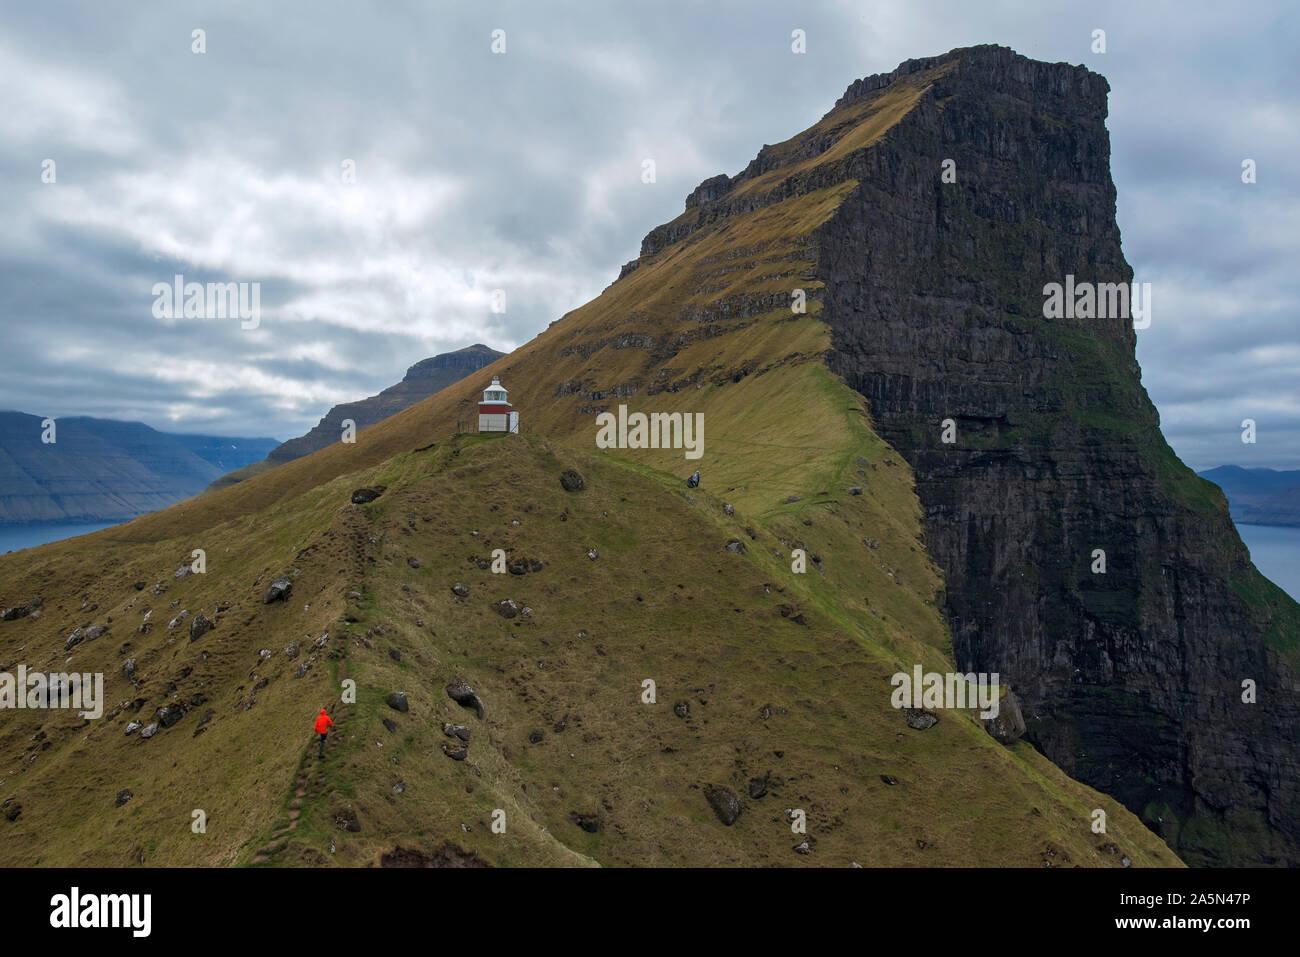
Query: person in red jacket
point(323, 724)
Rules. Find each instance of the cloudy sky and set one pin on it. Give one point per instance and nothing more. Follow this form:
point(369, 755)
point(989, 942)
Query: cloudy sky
point(521, 171)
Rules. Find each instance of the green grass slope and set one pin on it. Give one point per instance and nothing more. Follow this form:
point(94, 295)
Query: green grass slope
point(785, 679)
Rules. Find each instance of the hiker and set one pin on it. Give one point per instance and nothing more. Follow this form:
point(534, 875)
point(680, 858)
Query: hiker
point(323, 724)
point(694, 480)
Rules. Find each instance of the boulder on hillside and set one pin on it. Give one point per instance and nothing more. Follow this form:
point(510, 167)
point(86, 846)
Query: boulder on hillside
point(363, 496)
point(572, 480)
point(461, 693)
point(278, 590)
point(1009, 723)
point(347, 820)
point(724, 802)
point(20, 611)
point(200, 626)
point(919, 719)
point(397, 701)
point(456, 731)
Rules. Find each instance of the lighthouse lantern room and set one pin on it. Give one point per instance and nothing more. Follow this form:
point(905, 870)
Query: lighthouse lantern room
point(494, 412)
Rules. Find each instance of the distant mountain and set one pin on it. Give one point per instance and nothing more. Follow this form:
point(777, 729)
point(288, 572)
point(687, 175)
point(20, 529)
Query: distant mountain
point(105, 470)
point(1259, 496)
point(225, 453)
point(421, 381)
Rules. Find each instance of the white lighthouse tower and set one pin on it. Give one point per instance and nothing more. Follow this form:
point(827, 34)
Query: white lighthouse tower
point(495, 413)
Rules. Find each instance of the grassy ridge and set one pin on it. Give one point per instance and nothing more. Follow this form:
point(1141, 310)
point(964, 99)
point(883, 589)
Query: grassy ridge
point(663, 600)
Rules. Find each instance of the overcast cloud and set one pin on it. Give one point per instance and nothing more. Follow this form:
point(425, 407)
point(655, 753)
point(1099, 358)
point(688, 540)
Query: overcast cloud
point(522, 172)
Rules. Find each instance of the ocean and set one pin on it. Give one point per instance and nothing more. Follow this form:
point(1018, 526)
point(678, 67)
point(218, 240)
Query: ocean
point(14, 538)
point(1275, 550)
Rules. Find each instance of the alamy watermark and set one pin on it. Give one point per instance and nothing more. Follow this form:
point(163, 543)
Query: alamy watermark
point(128, 911)
point(41, 690)
point(212, 300)
point(658, 430)
point(1102, 300)
point(952, 690)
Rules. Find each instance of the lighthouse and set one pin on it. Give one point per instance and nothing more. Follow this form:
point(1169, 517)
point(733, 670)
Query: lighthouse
point(494, 412)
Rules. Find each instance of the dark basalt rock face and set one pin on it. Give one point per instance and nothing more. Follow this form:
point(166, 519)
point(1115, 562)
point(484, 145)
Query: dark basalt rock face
point(1131, 680)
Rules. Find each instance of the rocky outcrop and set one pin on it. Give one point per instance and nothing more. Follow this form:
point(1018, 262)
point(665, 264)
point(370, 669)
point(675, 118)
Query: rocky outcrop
point(1130, 679)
